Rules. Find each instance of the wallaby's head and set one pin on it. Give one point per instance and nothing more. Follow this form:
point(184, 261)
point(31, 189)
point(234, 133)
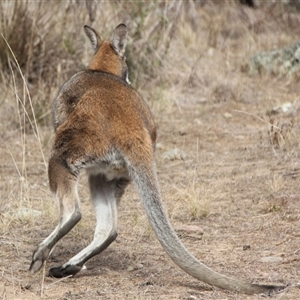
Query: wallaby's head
point(109, 56)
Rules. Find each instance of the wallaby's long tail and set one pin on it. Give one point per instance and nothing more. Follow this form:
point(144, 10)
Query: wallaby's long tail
point(148, 189)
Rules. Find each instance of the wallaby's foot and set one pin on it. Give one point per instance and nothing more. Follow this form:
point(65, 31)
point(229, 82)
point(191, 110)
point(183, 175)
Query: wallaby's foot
point(38, 258)
point(59, 272)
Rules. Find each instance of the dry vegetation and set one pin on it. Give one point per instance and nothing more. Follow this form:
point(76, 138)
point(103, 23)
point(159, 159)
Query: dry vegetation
point(236, 171)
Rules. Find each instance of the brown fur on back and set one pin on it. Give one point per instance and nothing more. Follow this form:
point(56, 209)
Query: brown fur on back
point(101, 103)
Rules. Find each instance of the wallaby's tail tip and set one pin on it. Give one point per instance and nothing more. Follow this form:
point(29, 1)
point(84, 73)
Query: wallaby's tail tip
point(270, 290)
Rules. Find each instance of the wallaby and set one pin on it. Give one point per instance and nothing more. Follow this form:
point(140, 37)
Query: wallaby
point(104, 126)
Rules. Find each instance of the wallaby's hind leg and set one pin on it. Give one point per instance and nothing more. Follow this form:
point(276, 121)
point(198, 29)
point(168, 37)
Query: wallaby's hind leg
point(64, 185)
point(105, 195)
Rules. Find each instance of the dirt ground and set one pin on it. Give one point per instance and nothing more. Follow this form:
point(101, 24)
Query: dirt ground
point(222, 166)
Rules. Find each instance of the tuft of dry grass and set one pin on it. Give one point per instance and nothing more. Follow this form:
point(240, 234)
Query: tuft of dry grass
point(191, 202)
point(48, 44)
point(281, 135)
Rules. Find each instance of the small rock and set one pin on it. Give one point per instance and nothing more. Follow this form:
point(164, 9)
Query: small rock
point(286, 107)
point(182, 132)
point(159, 146)
point(147, 283)
point(136, 267)
point(190, 228)
point(25, 213)
point(139, 266)
point(190, 231)
point(271, 259)
point(246, 247)
point(202, 100)
point(227, 115)
point(198, 121)
point(175, 154)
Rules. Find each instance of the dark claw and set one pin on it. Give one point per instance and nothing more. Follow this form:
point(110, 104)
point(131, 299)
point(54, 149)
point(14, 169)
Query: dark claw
point(36, 265)
point(60, 272)
point(38, 258)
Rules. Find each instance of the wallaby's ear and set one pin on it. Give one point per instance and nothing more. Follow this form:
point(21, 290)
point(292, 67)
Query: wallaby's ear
point(119, 39)
point(94, 37)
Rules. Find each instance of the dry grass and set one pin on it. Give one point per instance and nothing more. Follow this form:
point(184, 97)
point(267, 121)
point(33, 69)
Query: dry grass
point(239, 182)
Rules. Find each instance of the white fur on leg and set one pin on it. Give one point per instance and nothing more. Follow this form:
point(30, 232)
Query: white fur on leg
point(106, 213)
